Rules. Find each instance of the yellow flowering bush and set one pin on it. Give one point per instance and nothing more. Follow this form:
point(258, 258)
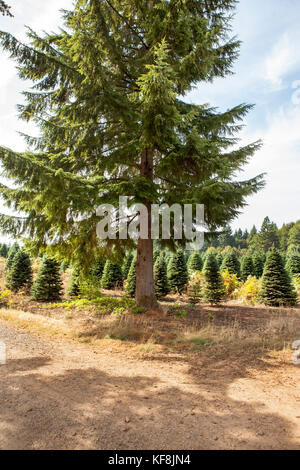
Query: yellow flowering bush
point(249, 290)
point(5, 297)
point(231, 282)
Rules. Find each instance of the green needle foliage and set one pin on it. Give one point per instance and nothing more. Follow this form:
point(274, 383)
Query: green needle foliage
point(47, 286)
point(231, 263)
point(177, 272)
point(131, 279)
point(277, 288)
point(11, 254)
point(5, 9)
point(4, 250)
point(112, 276)
point(247, 267)
point(97, 269)
point(108, 98)
point(127, 264)
point(73, 289)
point(259, 260)
point(195, 262)
point(20, 274)
point(293, 264)
point(160, 277)
point(219, 259)
point(213, 290)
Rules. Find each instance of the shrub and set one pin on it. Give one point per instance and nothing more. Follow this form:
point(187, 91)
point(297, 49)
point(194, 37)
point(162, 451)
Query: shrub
point(277, 288)
point(213, 289)
point(48, 284)
point(20, 274)
point(231, 282)
point(249, 290)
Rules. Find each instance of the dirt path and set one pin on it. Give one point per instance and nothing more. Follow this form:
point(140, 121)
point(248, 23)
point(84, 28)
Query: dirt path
point(64, 395)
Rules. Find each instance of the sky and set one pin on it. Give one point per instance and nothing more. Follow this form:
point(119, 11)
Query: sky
point(266, 74)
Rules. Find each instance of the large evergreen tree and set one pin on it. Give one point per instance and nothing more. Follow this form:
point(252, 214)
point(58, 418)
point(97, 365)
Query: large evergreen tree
point(107, 96)
point(267, 239)
point(20, 274)
point(277, 288)
point(47, 285)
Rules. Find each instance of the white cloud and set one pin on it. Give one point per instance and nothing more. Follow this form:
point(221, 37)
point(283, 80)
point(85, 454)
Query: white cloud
point(279, 158)
point(283, 59)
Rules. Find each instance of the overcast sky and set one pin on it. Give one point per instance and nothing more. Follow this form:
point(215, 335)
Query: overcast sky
point(267, 74)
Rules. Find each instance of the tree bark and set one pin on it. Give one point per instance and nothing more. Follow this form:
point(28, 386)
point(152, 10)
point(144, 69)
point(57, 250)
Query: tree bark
point(145, 292)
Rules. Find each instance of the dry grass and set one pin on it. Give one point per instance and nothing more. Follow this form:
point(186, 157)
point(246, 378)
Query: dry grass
point(275, 334)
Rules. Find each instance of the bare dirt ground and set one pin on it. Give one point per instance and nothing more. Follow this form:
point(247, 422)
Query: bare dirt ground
point(57, 393)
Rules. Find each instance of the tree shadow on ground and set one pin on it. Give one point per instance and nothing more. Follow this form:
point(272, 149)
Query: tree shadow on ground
point(112, 404)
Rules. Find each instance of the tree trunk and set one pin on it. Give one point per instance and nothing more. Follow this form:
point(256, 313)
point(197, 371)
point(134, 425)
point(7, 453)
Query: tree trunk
point(145, 293)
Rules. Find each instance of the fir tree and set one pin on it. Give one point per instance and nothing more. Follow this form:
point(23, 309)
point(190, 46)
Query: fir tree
point(97, 269)
point(73, 289)
point(258, 264)
point(219, 259)
point(267, 239)
point(177, 272)
point(11, 254)
point(112, 276)
point(277, 288)
point(4, 250)
point(107, 97)
point(127, 264)
point(160, 277)
point(64, 266)
point(294, 236)
point(231, 263)
point(226, 238)
point(247, 267)
point(195, 262)
point(131, 279)
point(213, 289)
point(47, 285)
point(293, 264)
point(20, 274)
point(5, 9)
